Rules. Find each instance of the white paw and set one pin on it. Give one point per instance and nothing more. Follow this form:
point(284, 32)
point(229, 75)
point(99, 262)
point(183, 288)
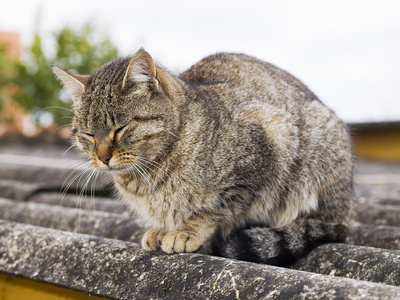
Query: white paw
point(170, 242)
point(180, 241)
point(152, 239)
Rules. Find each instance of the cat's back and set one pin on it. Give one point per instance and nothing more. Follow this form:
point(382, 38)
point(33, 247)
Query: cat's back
point(223, 67)
point(245, 72)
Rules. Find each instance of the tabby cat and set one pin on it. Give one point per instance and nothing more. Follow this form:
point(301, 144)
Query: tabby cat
point(234, 157)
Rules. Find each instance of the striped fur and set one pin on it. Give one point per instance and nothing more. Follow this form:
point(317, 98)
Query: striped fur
point(235, 157)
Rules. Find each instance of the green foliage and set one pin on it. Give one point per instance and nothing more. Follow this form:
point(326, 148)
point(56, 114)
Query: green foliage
point(79, 51)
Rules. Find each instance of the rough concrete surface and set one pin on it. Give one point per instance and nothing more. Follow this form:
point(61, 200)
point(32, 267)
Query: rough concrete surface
point(89, 244)
point(98, 223)
point(379, 214)
point(363, 263)
point(386, 237)
point(121, 270)
point(20, 190)
point(85, 202)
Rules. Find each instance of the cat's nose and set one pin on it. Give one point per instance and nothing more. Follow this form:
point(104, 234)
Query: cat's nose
point(105, 158)
point(104, 154)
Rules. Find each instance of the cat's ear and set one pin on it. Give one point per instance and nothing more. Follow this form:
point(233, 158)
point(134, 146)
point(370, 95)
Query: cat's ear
point(75, 84)
point(142, 70)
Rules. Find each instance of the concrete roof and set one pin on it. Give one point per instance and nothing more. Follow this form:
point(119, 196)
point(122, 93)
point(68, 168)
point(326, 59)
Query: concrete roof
point(91, 243)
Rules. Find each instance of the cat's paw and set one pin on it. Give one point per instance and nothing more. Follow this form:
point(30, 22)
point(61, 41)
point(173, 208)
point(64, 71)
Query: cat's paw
point(152, 239)
point(170, 242)
point(180, 241)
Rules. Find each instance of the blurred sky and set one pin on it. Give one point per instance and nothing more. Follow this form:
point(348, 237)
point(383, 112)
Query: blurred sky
point(347, 52)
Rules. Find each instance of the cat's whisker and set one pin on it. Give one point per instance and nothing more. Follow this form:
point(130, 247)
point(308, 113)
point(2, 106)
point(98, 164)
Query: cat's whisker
point(65, 117)
point(93, 186)
point(146, 174)
point(65, 190)
point(79, 175)
point(143, 164)
point(63, 126)
point(145, 161)
point(80, 165)
point(174, 135)
point(156, 165)
point(70, 183)
point(82, 193)
point(136, 168)
point(84, 167)
point(58, 107)
point(69, 148)
point(132, 171)
point(86, 183)
point(78, 184)
point(144, 167)
point(141, 174)
point(84, 189)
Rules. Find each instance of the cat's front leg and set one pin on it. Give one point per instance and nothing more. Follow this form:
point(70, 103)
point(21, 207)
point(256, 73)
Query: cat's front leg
point(189, 237)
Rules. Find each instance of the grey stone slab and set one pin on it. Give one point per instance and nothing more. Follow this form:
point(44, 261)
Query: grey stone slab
point(120, 270)
point(379, 214)
point(379, 236)
point(54, 178)
point(126, 227)
point(390, 201)
point(87, 202)
point(96, 223)
point(376, 167)
point(362, 263)
point(376, 182)
point(41, 149)
point(34, 174)
point(377, 193)
point(18, 190)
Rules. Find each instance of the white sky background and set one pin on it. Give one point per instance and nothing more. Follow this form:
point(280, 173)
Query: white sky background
point(347, 52)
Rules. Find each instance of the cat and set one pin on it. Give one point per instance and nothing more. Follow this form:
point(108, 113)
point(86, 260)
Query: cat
point(235, 157)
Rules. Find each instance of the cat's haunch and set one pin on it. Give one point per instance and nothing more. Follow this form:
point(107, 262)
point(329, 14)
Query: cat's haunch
point(235, 156)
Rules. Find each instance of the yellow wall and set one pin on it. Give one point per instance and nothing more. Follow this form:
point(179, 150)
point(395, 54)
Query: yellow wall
point(13, 288)
point(380, 145)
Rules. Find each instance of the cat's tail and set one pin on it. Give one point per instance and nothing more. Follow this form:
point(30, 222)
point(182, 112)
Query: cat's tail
point(280, 246)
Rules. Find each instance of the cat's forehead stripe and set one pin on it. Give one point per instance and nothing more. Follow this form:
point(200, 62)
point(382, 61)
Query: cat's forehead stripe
point(111, 73)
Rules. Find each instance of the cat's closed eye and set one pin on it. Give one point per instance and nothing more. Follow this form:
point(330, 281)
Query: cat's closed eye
point(118, 132)
point(89, 136)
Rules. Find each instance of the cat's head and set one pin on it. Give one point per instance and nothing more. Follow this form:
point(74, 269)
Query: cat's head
point(123, 113)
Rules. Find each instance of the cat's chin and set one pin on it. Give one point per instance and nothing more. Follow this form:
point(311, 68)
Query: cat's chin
point(113, 170)
point(105, 168)
point(118, 171)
